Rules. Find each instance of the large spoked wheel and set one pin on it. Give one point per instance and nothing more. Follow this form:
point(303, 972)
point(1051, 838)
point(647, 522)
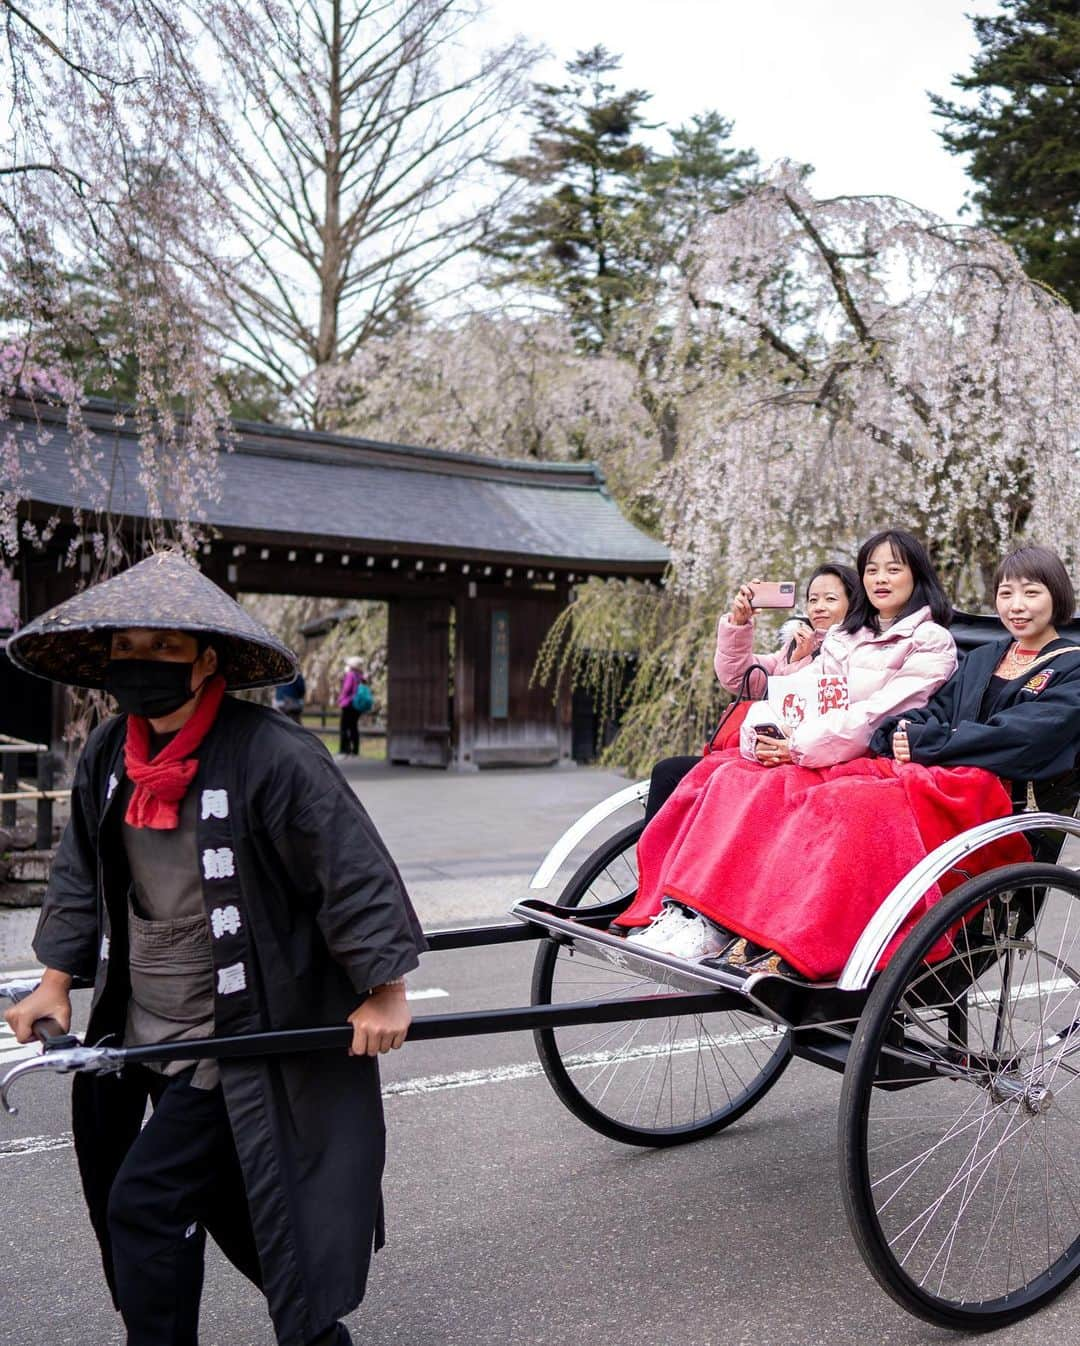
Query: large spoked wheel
point(960, 1111)
point(645, 1082)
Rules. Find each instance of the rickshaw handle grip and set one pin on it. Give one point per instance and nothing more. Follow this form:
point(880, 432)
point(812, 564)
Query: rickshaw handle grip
point(52, 1036)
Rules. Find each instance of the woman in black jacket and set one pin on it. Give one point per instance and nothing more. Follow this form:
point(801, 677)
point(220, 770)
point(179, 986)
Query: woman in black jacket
point(1013, 706)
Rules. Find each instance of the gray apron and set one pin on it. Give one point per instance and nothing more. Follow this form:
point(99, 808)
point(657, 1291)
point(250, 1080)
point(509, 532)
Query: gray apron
point(172, 988)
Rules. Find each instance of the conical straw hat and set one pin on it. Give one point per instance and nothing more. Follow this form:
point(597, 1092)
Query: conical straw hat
point(70, 643)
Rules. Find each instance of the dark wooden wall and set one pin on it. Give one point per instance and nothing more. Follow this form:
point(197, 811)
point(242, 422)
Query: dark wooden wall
point(33, 708)
point(534, 731)
point(418, 727)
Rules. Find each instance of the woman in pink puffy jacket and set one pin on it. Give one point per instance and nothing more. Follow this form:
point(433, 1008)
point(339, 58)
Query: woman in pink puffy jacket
point(892, 651)
point(890, 654)
point(830, 592)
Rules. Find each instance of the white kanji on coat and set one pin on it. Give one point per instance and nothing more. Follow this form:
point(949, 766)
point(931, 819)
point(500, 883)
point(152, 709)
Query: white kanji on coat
point(215, 804)
point(218, 863)
point(104, 948)
point(231, 979)
point(225, 921)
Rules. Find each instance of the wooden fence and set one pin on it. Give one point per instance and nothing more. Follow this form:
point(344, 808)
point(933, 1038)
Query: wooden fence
point(39, 792)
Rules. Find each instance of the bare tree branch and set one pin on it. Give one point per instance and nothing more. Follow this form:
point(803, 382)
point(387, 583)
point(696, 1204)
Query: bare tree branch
point(344, 151)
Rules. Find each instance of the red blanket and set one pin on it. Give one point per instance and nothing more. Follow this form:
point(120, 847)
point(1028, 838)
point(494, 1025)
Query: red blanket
point(799, 859)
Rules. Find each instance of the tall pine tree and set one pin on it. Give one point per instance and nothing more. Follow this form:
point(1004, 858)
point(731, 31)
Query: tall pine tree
point(573, 239)
point(701, 175)
point(605, 213)
point(1023, 134)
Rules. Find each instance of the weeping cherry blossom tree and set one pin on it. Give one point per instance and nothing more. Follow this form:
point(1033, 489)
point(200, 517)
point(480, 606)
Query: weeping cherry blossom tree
point(836, 366)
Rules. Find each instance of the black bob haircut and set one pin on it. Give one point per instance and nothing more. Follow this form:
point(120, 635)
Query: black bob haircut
point(848, 578)
point(1044, 567)
point(927, 592)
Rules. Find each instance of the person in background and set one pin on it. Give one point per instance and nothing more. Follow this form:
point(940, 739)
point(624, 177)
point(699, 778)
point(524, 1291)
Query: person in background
point(352, 676)
point(289, 698)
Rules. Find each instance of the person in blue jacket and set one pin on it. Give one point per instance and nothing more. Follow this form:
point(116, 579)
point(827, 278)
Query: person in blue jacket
point(1013, 706)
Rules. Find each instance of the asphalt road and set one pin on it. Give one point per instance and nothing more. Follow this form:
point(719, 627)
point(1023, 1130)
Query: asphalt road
point(509, 1222)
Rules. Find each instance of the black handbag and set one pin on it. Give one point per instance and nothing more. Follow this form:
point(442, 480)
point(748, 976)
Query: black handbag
point(742, 696)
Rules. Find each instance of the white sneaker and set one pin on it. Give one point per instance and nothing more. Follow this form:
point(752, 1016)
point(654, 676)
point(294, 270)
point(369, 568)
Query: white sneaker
point(680, 933)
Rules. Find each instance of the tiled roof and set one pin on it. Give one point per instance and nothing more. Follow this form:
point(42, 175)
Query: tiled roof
point(358, 493)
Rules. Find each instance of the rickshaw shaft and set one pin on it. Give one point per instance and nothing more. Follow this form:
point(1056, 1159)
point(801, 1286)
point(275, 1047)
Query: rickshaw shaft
point(427, 1027)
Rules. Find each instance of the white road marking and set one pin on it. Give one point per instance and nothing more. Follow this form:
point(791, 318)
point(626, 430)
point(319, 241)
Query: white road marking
point(1037, 988)
point(11, 1149)
point(10, 1050)
point(427, 993)
point(469, 1079)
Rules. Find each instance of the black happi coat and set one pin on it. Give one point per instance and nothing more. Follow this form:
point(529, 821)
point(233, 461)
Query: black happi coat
point(306, 912)
point(1033, 732)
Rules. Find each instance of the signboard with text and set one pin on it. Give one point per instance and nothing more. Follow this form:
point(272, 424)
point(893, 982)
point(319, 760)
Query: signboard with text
point(500, 664)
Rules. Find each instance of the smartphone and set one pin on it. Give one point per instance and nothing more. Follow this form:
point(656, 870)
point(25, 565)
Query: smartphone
point(773, 594)
point(768, 731)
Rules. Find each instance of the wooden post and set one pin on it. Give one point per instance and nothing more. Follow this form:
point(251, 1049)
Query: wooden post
point(565, 706)
point(11, 784)
point(465, 655)
point(45, 804)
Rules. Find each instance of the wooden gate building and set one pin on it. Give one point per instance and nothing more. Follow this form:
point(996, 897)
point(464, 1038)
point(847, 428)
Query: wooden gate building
point(474, 556)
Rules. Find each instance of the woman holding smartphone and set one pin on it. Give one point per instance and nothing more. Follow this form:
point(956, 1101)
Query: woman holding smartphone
point(891, 651)
point(830, 592)
point(732, 839)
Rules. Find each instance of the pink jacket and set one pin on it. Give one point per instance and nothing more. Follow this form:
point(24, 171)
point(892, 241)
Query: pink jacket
point(735, 654)
point(349, 684)
point(887, 674)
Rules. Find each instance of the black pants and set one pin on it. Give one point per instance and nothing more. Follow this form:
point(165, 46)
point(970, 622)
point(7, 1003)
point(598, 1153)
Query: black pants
point(349, 745)
point(180, 1180)
point(666, 774)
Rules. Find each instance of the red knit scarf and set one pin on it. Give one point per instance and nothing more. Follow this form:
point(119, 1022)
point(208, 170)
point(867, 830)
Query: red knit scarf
point(161, 783)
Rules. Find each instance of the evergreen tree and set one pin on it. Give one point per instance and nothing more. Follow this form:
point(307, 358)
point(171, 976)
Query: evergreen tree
point(605, 214)
point(575, 238)
point(1023, 134)
point(700, 176)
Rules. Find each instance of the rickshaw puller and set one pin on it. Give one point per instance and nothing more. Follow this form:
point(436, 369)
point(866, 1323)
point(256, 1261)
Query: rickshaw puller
point(218, 875)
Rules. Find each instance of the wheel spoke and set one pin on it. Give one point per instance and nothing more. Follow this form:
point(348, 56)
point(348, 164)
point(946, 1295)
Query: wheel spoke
point(646, 1081)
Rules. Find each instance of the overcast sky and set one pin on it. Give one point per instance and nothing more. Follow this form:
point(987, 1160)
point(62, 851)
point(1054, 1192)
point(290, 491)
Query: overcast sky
point(840, 84)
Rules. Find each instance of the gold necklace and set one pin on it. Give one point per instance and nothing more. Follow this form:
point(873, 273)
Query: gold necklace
point(1016, 661)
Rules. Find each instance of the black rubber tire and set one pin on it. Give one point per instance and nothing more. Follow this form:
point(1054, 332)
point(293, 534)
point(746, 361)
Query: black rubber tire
point(912, 1000)
point(602, 1116)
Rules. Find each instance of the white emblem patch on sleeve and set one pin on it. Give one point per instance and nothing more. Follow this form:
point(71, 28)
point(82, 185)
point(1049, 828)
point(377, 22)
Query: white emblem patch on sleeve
point(104, 948)
point(225, 921)
point(231, 979)
point(110, 789)
point(215, 804)
point(218, 864)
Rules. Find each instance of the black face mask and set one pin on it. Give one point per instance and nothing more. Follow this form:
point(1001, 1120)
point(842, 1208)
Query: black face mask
point(150, 687)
